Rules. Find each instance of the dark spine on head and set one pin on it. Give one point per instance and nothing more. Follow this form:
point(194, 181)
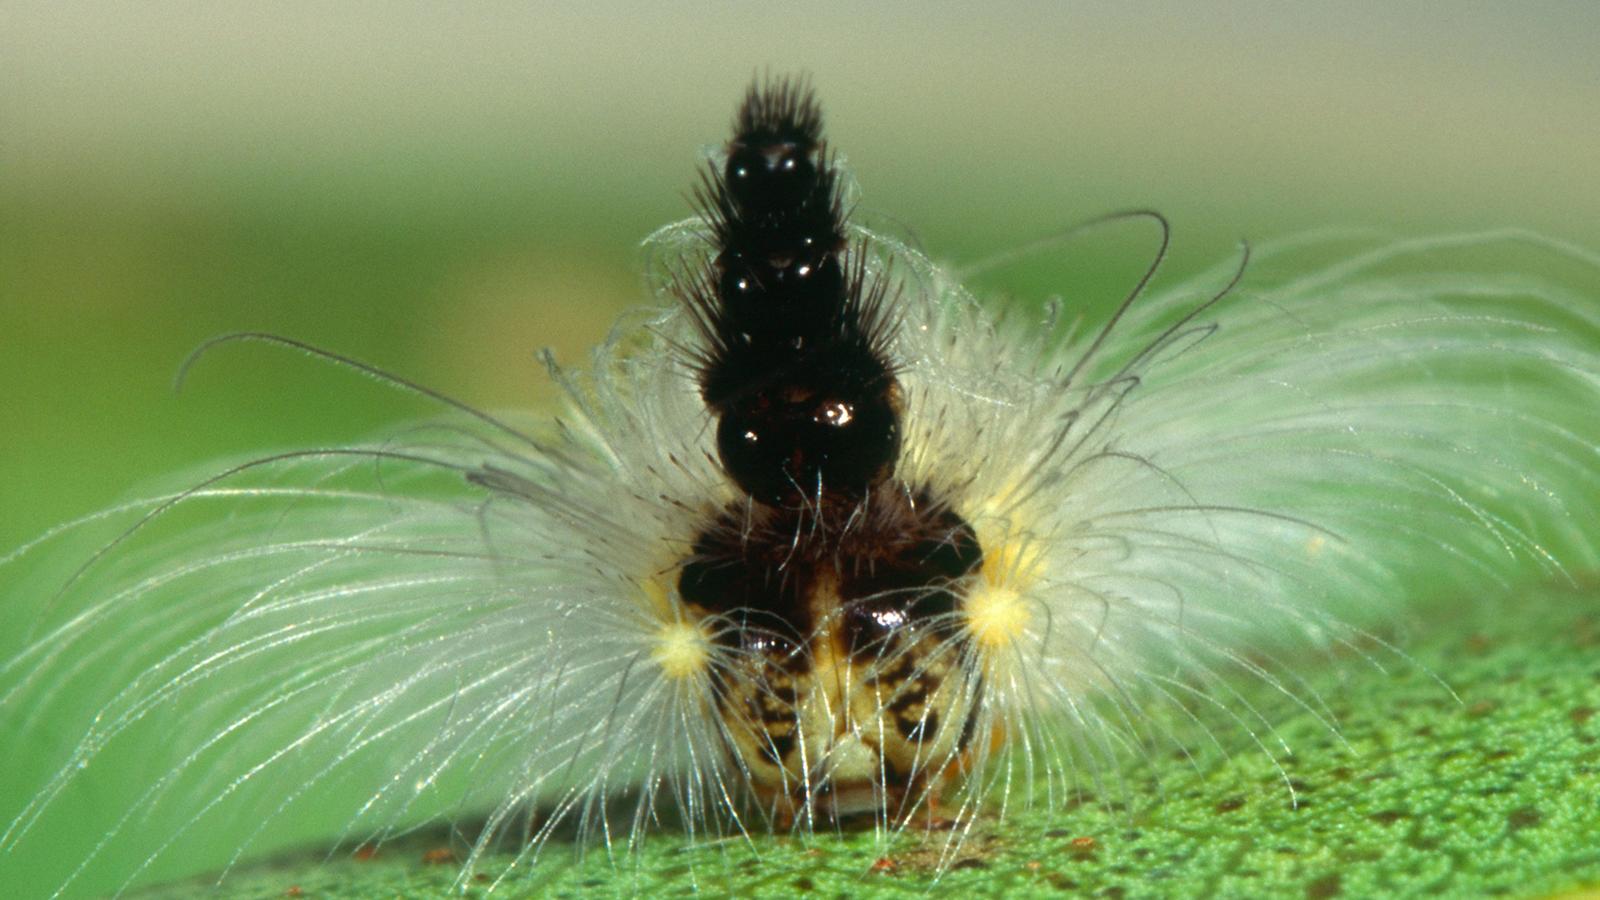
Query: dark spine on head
point(807, 406)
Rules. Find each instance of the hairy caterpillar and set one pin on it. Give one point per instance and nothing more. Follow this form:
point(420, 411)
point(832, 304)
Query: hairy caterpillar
point(978, 549)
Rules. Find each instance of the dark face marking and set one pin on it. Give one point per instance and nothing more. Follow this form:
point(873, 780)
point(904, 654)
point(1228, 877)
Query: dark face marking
point(913, 579)
point(862, 623)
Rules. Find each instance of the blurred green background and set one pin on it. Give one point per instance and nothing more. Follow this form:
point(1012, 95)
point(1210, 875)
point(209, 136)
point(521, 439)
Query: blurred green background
point(444, 190)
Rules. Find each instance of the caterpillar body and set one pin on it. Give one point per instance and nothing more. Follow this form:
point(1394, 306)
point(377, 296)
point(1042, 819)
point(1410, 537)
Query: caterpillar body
point(821, 540)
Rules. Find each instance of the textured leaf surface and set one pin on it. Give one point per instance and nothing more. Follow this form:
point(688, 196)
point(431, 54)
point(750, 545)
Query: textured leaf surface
point(1418, 792)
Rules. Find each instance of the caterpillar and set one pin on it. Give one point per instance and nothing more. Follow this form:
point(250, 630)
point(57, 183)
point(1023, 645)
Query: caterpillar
point(819, 541)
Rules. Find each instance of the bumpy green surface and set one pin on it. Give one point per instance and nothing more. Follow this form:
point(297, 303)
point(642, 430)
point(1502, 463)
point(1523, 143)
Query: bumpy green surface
point(1497, 793)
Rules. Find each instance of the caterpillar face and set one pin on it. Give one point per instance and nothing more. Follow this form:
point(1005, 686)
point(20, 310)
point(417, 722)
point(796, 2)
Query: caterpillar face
point(844, 648)
point(834, 589)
